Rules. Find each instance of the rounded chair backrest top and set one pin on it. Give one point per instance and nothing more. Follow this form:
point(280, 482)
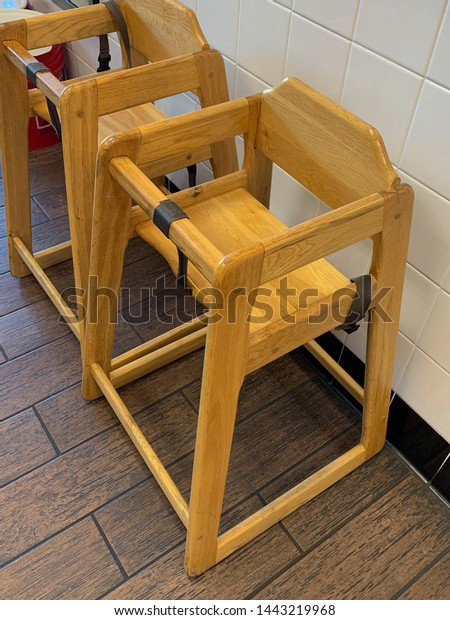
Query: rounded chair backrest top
point(333, 153)
point(161, 29)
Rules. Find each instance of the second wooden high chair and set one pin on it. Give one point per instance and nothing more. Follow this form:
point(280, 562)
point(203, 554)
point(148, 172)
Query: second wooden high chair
point(90, 108)
point(269, 288)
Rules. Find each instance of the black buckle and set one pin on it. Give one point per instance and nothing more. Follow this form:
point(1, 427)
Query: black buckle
point(33, 68)
point(165, 213)
point(360, 305)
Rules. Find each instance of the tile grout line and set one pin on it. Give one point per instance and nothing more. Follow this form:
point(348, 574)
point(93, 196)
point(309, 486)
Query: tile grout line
point(115, 424)
point(443, 464)
point(46, 431)
point(2, 350)
point(67, 527)
point(417, 347)
point(145, 567)
point(237, 48)
point(323, 540)
point(181, 543)
point(288, 38)
point(41, 210)
point(30, 471)
point(282, 526)
point(110, 549)
point(352, 41)
point(358, 512)
point(139, 483)
point(41, 346)
point(262, 488)
point(272, 578)
point(424, 79)
point(344, 78)
point(39, 402)
point(421, 573)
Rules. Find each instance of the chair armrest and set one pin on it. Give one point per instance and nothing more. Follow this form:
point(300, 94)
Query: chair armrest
point(321, 236)
point(183, 233)
point(47, 83)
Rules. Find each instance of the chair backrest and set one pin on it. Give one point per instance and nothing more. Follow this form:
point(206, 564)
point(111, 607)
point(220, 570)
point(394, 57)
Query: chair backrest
point(161, 29)
point(332, 152)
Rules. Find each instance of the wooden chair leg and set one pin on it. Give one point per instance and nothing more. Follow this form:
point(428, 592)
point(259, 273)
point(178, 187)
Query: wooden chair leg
point(257, 165)
point(214, 90)
point(224, 371)
point(110, 235)
point(14, 144)
point(79, 110)
point(388, 266)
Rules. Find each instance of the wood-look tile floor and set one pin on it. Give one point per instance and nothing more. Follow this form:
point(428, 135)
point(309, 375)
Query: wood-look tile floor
point(82, 518)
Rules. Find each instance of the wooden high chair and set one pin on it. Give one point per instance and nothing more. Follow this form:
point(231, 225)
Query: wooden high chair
point(241, 262)
point(90, 108)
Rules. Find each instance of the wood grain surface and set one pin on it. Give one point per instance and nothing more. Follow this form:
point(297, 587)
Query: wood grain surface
point(231, 579)
point(24, 445)
point(374, 555)
point(76, 564)
point(380, 532)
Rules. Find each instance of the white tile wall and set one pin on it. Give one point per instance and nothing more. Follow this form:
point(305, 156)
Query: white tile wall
point(419, 297)
point(356, 342)
point(354, 260)
point(402, 30)
point(439, 70)
point(337, 15)
point(290, 201)
point(263, 36)
point(211, 13)
point(426, 388)
point(427, 153)
point(191, 4)
point(383, 94)
point(446, 285)
point(388, 61)
point(318, 55)
point(437, 341)
point(286, 3)
point(247, 84)
point(429, 248)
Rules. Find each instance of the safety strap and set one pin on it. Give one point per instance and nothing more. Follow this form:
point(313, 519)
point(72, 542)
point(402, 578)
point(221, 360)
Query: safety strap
point(164, 215)
point(360, 305)
point(104, 57)
point(192, 175)
point(32, 69)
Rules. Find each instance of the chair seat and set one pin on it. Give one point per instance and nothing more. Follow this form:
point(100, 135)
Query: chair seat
point(232, 221)
point(117, 121)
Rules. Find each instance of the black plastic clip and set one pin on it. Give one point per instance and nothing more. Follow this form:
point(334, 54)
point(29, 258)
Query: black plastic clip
point(104, 57)
point(164, 215)
point(32, 69)
point(360, 305)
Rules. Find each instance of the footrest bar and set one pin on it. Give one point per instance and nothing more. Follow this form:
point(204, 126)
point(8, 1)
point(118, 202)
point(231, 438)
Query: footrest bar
point(336, 370)
point(54, 255)
point(280, 508)
point(144, 448)
point(160, 341)
point(156, 359)
point(52, 292)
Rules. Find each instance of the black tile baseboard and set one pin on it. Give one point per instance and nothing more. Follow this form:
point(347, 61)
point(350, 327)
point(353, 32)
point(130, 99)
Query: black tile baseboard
point(420, 444)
